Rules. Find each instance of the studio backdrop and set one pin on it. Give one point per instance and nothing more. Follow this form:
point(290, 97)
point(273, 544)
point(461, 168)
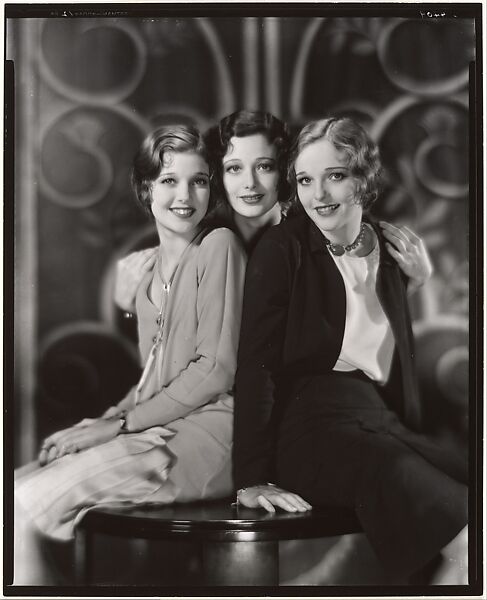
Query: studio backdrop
point(87, 89)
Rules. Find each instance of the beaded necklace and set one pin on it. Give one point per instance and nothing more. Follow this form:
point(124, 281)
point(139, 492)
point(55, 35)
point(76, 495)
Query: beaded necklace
point(339, 249)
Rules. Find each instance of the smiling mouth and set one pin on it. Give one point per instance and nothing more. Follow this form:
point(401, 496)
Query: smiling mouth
point(183, 213)
point(327, 209)
point(252, 198)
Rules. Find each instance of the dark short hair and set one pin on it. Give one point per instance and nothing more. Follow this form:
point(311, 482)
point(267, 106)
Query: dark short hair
point(242, 124)
point(350, 138)
point(149, 159)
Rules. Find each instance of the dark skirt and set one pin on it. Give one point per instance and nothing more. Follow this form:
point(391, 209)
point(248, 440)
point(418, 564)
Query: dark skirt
point(339, 445)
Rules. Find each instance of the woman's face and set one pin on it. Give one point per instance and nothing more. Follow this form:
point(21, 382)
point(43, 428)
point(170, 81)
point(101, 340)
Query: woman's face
point(326, 189)
point(250, 175)
point(181, 193)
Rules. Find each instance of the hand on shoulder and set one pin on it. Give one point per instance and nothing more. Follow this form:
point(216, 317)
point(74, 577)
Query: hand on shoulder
point(130, 272)
point(409, 251)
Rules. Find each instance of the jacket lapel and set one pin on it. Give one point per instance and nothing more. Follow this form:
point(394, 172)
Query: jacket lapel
point(331, 288)
point(391, 291)
point(388, 288)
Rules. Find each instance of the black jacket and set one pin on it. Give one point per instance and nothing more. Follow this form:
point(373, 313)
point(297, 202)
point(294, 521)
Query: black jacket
point(292, 328)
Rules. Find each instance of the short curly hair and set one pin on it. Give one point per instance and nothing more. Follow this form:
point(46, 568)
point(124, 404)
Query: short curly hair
point(149, 159)
point(349, 137)
point(243, 123)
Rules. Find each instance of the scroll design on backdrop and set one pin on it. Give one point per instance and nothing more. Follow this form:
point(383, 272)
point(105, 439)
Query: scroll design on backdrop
point(428, 85)
point(82, 135)
point(420, 121)
point(102, 83)
point(118, 92)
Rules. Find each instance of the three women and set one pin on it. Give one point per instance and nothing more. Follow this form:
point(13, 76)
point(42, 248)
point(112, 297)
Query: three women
point(326, 393)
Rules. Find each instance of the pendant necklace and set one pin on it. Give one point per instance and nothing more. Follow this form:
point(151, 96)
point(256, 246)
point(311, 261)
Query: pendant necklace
point(167, 286)
point(339, 249)
point(157, 339)
point(165, 291)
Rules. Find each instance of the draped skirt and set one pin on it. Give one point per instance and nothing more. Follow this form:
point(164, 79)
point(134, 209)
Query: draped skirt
point(188, 460)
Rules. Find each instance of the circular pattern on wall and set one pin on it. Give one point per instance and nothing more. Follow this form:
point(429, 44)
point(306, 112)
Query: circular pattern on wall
point(442, 360)
point(79, 149)
point(430, 74)
point(84, 368)
point(105, 61)
point(430, 160)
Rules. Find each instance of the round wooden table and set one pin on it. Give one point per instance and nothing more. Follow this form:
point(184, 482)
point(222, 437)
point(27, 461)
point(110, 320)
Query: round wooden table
point(239, 545)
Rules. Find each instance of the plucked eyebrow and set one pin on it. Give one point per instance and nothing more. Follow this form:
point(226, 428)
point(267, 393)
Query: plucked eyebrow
point(327, 169)
point(172, 174)
point(229, 160)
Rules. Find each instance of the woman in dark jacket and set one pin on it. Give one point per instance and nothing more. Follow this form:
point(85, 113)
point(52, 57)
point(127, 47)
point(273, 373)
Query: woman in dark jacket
point(326, 398)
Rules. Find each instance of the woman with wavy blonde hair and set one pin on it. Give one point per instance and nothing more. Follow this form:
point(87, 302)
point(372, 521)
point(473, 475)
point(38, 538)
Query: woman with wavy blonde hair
point(327, 409)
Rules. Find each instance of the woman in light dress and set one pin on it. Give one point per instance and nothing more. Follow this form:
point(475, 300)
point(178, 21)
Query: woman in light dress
point(169, 439)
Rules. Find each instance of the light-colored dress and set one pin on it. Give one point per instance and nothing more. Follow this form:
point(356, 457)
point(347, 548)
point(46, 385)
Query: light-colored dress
point(185, 407)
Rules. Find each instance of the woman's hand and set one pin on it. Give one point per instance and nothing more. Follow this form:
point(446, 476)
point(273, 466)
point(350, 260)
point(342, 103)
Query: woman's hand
point(268, 496)
point(124, 406)
point(113, 411)
point(130, 272)
point(410, 253)
point(86, 434)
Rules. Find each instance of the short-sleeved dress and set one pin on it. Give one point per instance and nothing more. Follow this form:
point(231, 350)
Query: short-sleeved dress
point(187, 455)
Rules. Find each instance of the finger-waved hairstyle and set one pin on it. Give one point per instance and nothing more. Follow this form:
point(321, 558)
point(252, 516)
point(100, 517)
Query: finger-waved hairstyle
point(349, 137)
point(244, 123)
point(149, 159)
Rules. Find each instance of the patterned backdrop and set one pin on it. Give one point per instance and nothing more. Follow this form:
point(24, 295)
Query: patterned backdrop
point(88, 89)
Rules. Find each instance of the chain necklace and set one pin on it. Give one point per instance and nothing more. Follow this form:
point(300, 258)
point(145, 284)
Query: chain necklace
point(165, 291)
point(339, 249)
point(157, 339)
